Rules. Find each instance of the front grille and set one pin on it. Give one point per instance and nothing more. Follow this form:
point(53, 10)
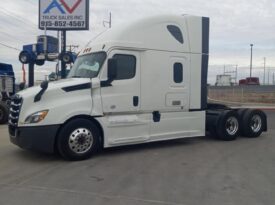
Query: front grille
point(15, 107)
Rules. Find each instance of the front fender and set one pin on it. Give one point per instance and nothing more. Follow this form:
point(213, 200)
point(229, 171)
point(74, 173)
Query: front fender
point(62, 106)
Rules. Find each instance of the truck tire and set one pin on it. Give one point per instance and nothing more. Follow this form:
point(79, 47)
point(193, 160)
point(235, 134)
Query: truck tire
point(211, 123)
point(241, 113)
point(24, 57)
point(66, 57)
point(213, 133)
point(253, 123)
point(79, 139)
point(4, 113)
point(228, 125)
point(40, 62)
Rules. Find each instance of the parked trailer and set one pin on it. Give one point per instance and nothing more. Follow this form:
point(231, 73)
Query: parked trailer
point(139, 83)
point(250, 81)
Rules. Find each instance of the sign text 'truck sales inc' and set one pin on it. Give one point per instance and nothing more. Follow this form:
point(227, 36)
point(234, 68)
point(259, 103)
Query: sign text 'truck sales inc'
point(64, 14)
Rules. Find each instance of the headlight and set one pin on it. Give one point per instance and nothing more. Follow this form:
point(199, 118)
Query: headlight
point(36, 117)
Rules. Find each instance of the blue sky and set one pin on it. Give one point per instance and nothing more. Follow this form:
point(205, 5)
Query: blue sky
point(234, 25)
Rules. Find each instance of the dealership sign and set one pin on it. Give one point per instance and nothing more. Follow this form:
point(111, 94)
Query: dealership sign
point(64, 14)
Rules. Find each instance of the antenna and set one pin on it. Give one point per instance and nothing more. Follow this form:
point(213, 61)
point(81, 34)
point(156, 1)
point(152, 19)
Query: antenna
point(108, 22)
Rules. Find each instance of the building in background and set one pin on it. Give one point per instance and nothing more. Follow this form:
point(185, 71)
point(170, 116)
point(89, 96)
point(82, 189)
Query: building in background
point(223, 80)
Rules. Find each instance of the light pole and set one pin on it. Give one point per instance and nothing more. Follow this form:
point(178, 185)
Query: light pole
point(268, 76)
point(264, 68)
point(251, 60)
point(236, 74)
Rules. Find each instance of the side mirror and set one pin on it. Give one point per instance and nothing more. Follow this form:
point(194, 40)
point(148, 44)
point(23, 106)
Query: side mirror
point(44, 85)
point(112, 69)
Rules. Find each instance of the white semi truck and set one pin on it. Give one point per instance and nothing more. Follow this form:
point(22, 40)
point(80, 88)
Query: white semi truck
point(139, 83)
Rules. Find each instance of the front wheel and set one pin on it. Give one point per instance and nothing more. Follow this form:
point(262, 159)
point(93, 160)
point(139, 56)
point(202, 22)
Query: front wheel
point(78, 140)
point(24, 57)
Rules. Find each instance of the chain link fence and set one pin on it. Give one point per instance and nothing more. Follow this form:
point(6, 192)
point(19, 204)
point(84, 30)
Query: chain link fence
point(243, 94)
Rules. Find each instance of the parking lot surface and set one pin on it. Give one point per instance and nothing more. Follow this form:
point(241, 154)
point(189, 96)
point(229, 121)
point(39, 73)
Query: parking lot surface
point(189, 171)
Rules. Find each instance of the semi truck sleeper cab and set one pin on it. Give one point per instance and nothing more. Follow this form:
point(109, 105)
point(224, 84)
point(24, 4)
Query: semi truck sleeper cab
point(139, 83)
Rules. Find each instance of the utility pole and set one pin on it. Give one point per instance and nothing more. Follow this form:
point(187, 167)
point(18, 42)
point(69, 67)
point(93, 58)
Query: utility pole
point(273, 80)
point(268, 76)
point(264, 68)
point(108, 22)
point(63, 50)
point(236, 80)
point(251, 45)
point(59, 48)
point(31, 74)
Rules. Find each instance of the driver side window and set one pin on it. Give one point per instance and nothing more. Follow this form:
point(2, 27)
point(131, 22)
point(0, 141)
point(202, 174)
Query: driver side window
point(126, 66)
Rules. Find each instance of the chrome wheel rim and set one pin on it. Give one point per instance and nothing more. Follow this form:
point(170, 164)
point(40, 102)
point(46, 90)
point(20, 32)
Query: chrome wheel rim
point(66, 58)
point(256, 123)
point(232, 125)
point(81, 140)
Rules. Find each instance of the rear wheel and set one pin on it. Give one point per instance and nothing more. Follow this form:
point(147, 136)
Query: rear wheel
point(254, 123)
point(228, 126)
point(4, 113)
point(40, 62)
point(241, 113)
point(78, 140)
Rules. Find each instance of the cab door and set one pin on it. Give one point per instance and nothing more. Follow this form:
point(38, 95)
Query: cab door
point(124, 93)
point(123, 122)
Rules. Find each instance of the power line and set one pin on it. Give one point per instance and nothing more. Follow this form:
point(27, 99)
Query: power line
point(18, 17)
point(5, 45)
point(29, 1)
point(10, 36)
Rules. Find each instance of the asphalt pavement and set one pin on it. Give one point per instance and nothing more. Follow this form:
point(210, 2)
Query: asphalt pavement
point(188, 171)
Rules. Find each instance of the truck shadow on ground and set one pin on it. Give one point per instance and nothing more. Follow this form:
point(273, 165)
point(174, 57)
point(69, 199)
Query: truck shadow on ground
point(38, 157)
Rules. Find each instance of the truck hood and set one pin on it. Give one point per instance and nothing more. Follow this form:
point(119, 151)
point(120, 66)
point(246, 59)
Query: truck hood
point(54, 86)
point(63, 99)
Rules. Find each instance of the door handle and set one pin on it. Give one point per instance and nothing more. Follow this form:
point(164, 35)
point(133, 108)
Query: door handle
point(135, 101)
point(156, 116)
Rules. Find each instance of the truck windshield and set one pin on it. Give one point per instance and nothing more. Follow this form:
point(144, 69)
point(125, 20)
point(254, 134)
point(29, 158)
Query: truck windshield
point(87, 66)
